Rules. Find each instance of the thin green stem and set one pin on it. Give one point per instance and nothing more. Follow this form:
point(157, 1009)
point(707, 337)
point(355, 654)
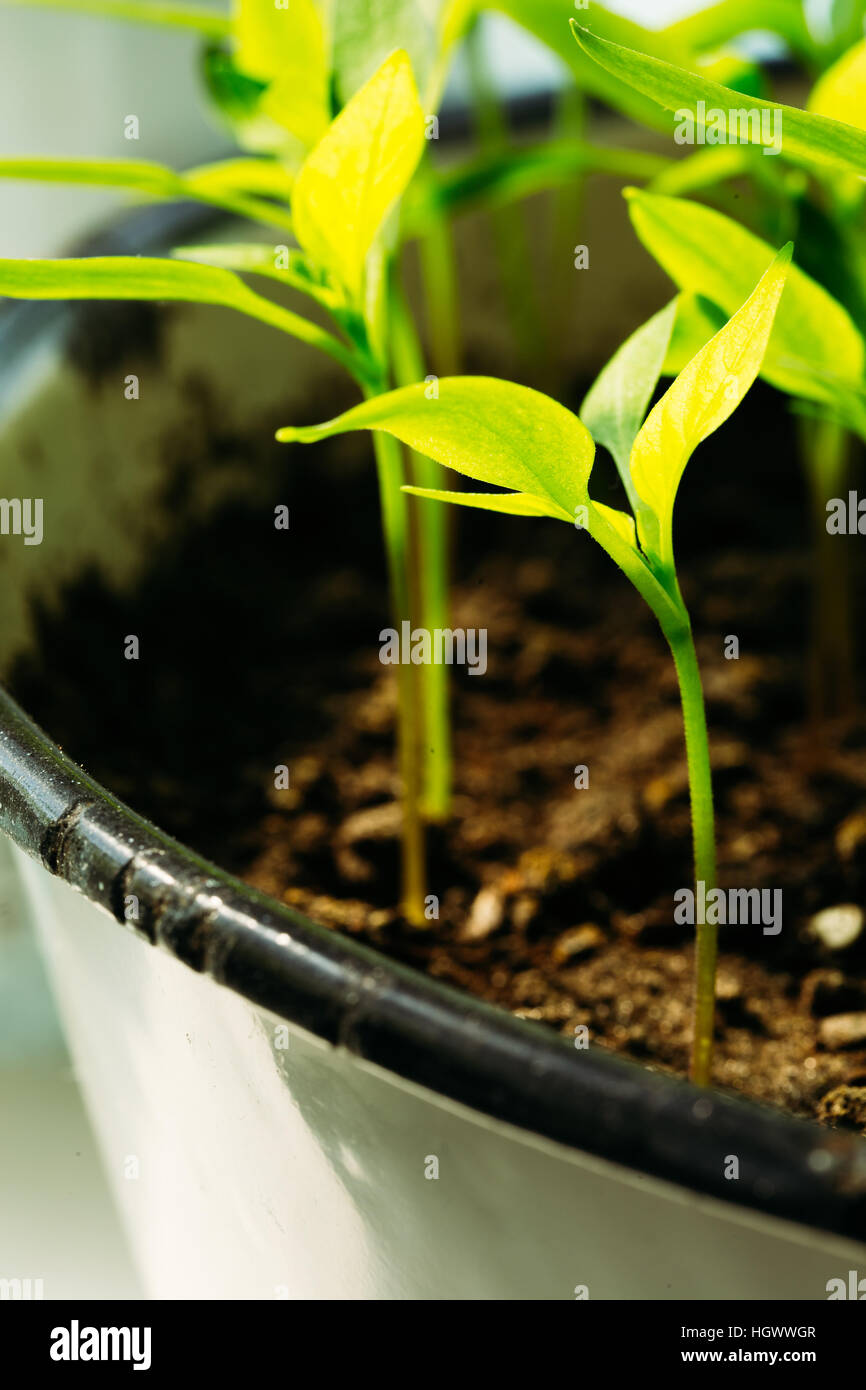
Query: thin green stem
point(567, 212)
point(395, 526)
point(509, 231)
point(682, 648)
point(432, 529)
point(439, 280)
point(661, 591)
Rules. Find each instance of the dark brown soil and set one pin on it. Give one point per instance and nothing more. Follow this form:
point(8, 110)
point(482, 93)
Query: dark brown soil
point(555, 903)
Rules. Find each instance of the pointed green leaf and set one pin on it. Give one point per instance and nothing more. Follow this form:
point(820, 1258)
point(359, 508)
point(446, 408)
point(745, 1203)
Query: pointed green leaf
point(142, 277)
point(490, 430)
point(511, 503)
point(510, 436)
point(616, 404)
point(805, 137)
point(706, 253)
point(358, 170)
point(702, 397)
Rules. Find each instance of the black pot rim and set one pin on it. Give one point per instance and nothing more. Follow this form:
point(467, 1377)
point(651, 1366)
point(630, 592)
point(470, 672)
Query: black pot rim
point(380, 1011)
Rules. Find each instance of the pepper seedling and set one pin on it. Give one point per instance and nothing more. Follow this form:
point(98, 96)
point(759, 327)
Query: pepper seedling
point(512, 437)
point(817, 354)
point(340, 207)
point(814, 191)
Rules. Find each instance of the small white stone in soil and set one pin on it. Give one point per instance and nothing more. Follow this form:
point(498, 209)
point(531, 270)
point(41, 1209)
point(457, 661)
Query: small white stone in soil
point(837, 927)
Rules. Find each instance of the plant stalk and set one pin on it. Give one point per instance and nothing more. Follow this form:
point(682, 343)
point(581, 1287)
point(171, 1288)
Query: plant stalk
point(509, 229)
point(395, 527)
point(398, 549)
point(661, 591)
point(685, 658)
point(567, 212)
point(432, 528)
point(438, 264)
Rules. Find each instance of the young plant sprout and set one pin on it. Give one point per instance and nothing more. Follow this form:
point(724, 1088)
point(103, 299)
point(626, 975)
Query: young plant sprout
point(512, 437)
point(817, 188)
point(338, 208)
point(816, 354)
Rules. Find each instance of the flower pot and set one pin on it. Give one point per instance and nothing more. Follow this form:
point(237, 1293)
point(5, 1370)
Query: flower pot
point(284, 1112)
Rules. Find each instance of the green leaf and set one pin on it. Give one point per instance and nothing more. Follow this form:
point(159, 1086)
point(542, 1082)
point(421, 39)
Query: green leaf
point(616, 404)
point(707, 253)
point(511, 503)
point(190, 17)
point(356, 173)
point(264, 178)
point(120, 277)
point(135, 175)
point(841, 92)
point(509, 436)
point(490, 430)
point(289, 49)
point(232, 184)
point(280, 263)
point(145, 278)
point(701, 399)
point(805, 137)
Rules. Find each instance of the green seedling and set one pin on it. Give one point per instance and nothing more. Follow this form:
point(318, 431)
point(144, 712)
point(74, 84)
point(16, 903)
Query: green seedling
point(276, 77)
point(818, 193)
point(339, 206)
point(326, 180)
point(280, 77)
point(817, 355)
point(512, 437)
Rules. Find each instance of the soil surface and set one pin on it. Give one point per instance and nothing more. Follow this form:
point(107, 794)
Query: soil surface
point(556, 903)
